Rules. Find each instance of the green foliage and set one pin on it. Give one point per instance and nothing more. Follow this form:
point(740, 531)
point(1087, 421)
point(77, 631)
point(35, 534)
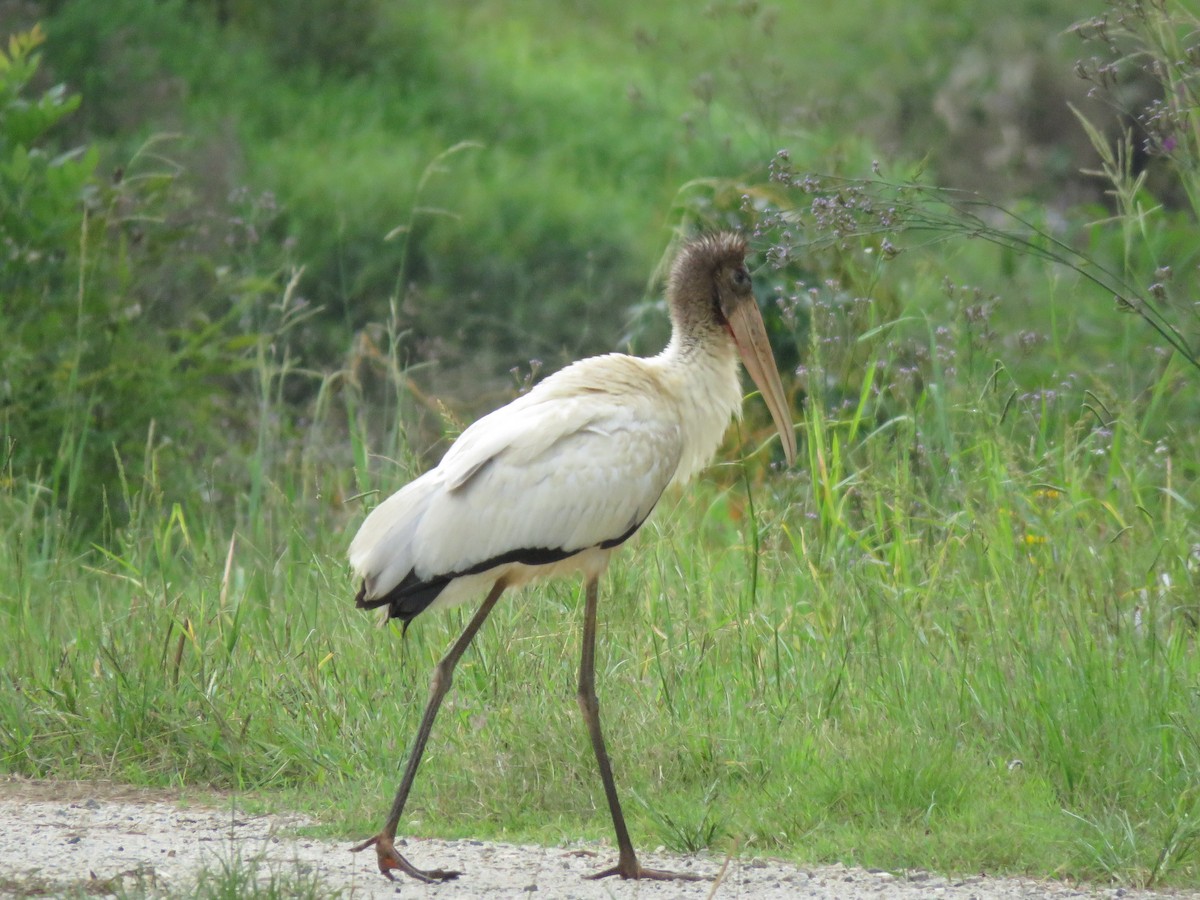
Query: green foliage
point(588, 124)
point(1148, 44)
point(43, 192)
point(960, 636)
point(870, 215)
point(120, 329)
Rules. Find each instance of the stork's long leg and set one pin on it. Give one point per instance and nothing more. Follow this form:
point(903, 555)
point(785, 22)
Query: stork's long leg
point(443, 677)
point(627, 865)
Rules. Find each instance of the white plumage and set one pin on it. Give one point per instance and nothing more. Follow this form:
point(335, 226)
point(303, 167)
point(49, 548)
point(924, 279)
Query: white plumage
point(578, 461)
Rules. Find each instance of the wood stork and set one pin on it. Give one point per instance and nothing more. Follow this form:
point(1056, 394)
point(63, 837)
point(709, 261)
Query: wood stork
point(555, 481)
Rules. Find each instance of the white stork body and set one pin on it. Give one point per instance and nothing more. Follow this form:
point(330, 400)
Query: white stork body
point(572, 468)
point(555, 481)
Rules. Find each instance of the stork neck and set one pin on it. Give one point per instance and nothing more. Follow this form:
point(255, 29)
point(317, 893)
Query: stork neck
point(703, 375)
point(687, 349)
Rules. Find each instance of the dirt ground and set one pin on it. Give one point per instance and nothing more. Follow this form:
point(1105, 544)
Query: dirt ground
point(73, 838)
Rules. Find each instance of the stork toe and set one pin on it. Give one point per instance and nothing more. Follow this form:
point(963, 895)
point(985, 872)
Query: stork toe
point(389, 858)
point(636, 870)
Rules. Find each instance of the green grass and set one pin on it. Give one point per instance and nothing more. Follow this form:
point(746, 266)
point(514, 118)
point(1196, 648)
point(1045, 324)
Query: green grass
point(971, 584)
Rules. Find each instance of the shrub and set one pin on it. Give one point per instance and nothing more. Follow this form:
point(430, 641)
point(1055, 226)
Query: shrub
point(120, 336)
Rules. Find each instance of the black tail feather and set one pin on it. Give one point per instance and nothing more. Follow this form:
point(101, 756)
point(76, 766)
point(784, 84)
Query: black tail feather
point(362, 602)
point(413, 595)
point(407, 599)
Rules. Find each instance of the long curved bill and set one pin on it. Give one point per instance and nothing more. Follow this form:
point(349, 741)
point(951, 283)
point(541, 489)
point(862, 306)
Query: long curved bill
point(750, 335)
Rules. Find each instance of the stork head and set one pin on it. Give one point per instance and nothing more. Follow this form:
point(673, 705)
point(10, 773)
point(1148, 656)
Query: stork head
point(711, 297)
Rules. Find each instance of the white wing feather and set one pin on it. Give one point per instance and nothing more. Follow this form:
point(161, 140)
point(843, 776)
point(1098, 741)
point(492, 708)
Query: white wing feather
point(547, 471)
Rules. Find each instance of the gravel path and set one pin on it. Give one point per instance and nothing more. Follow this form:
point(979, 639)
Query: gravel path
point(74, 838)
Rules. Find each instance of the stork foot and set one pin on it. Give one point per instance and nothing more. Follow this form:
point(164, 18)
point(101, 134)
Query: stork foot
point(633, 869)
point(389, 859)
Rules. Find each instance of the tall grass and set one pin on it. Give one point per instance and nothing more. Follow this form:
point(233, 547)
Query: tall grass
point(961, 637)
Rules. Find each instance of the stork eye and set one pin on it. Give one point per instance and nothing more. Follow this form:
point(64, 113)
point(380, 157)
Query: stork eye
point(741, 278)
